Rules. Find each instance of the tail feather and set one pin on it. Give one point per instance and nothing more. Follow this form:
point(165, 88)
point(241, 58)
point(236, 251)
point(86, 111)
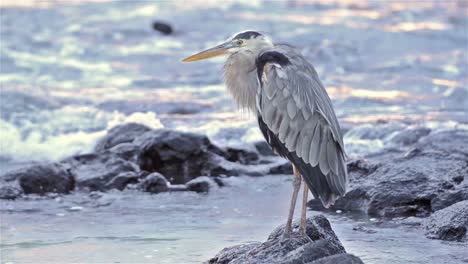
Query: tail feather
point(316, 181)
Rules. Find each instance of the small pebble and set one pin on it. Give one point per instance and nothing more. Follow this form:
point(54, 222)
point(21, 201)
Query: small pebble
point(162, 27)
point(75, 208)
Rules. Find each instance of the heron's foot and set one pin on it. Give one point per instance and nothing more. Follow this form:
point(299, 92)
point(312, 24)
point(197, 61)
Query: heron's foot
point(287, 230)
point(302, 232)
point(295, 235)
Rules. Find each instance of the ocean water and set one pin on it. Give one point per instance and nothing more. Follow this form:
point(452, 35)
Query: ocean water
point(70, 71)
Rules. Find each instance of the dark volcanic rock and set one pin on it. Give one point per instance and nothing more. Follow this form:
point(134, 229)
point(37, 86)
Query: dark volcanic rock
point(450, 197)
point(96, 172)
point(284, 168)
point(43, 178)
point(126, 151)
point(450, 223)
point(125, 133)
point(179, 156)
point(320, 243)
point(200, 184)
point(162, 27)
point(394, 183)
point(10, 192)
point(243, 156)
point(264, 149)
point(339, 259)
point(154, 183)
point(122, 180)
point(410, 136)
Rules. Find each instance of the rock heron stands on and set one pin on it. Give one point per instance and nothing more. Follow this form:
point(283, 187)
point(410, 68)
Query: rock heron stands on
point(294, 112)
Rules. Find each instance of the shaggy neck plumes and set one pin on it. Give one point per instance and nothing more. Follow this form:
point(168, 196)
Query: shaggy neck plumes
point(241, 79)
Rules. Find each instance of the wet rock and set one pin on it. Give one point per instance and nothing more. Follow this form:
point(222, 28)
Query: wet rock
point(393, 184)
point(162, 27)
point(448, 198)
point(264, 149)
point(125, 133)
point(122, 180)
point(373, 132)
point(200, 184)
point(339, 259)
point(10, 192)
point(409, 136)
point(320, 243)
point(363, 167)
point(242, 156)
point(154, 183)
point(364, 229)
point(458, 179)
point(43, 178)
point(450, 223)
point(179, 156)
point(283, 168)
point(126, 151)
point(96, 172)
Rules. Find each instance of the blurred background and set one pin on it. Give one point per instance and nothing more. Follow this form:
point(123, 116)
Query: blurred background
point(71, 70)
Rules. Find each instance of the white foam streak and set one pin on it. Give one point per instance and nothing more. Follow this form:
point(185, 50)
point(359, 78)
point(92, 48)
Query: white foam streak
point(57, 136)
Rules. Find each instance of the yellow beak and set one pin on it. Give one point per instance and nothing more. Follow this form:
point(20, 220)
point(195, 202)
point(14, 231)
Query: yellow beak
point(209, 53)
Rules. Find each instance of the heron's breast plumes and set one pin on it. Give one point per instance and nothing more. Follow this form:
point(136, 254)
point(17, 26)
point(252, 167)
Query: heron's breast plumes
point(240, 77)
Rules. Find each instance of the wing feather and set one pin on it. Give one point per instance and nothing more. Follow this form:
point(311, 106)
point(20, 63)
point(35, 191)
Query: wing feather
point(323, 163)
point(315, 146)
point(296, 108)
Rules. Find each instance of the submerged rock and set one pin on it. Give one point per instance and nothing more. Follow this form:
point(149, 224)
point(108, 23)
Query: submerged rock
point(397, 183)
point(319, 243)
point(450, 223)
point(43, 178)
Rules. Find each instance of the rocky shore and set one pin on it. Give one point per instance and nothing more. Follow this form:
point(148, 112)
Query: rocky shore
point(419, 173)
point(137, 157)
point(319, 245)
point(423, 174)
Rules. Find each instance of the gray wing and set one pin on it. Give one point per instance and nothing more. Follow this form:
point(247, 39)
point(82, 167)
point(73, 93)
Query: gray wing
point(295, 107)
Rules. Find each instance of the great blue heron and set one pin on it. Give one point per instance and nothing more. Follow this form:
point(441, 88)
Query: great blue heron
point(293, 110)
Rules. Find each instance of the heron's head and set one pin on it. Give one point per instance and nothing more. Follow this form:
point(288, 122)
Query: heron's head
point(243, 42)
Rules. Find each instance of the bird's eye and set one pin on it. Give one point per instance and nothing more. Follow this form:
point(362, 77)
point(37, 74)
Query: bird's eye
point(239, 42)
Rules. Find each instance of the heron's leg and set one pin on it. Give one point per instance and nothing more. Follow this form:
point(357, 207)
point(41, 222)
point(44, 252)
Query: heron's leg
point(296, 186)
point(302, 227)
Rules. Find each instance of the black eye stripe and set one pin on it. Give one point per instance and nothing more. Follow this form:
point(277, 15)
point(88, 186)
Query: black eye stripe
point(247, 35)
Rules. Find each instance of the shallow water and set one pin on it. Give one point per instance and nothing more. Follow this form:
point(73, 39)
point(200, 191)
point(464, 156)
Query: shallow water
point(186, 227)
point(70, 71)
